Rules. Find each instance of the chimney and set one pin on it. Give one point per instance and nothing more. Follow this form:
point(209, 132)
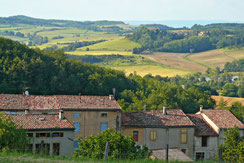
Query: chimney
point(145, 107)
point(61, 115)
point(164, 111)
point(111, 97)
point(201, 107)
point(27, 111)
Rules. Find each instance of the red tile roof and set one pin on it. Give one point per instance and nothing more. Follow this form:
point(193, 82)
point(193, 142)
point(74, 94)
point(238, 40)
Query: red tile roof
point(156, 118)
point(223, 118)
point(41, 122)
point(201, 126)
point(86, 102)
point(56, 102)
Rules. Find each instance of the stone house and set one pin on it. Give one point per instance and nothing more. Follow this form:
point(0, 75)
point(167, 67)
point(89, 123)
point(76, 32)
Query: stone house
point(155, 129)
point(49, 134)
point(209, 133)
point(90, 115)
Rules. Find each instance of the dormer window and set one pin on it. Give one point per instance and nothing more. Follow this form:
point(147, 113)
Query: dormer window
point(104, 115)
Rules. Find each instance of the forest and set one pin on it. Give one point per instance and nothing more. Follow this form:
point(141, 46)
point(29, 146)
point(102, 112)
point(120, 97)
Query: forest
point(51, 72)
point(195, 41)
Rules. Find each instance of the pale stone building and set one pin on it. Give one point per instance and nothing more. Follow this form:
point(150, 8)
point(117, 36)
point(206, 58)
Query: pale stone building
point(155, 129)
point(49, 134)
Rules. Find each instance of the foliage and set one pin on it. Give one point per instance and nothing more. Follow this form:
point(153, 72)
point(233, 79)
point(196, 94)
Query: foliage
point(230, 90)
point(74, 46)
point(11, 138)
point(233, 146)
point(161, 40)
point(121, 147)
point(235, 66)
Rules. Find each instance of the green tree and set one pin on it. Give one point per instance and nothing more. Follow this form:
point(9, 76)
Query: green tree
point(11, 137)
point(240, 91)
point(230, 90)
point(121, 147)
point(233, 146)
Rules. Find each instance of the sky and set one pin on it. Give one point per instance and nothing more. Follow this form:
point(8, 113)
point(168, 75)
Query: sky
point(126, 10)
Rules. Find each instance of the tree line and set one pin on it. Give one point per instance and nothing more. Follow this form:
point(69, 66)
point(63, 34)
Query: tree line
point(196, 41)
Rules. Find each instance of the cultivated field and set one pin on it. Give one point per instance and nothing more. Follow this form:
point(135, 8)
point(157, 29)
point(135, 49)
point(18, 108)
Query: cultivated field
point(228, 100)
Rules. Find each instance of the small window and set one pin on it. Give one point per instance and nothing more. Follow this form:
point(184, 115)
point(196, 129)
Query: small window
point(57, 134)
point(30, 135)
point(153, 135)
point(135, 135)
point(104, 126)
point(77, 127)
point(104, 115)
point(42, 135)
point(56, 148)
point(200, 156)
point(183, 150)
point(76, 115)
point(183, 136)
point(204, 141)
point(76, 145)
point(30, 148)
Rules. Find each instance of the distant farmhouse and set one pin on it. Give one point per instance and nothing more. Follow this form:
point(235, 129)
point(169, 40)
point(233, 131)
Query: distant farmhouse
point(54, 123)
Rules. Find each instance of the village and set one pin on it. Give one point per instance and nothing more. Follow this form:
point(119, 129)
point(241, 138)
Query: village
point(55, 122)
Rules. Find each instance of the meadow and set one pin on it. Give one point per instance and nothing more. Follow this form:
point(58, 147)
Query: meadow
point(164, 64)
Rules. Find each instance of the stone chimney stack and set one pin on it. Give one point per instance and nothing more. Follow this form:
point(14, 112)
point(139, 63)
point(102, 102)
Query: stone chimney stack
point(61, 115)
point(111, 97)
point(164, 111)
point(27, 111)
point(201, 107)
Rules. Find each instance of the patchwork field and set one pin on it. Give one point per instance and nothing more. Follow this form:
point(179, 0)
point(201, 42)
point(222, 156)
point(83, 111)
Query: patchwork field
point(197, 62)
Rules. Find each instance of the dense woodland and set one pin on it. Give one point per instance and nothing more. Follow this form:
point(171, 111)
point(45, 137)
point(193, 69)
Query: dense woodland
point(50, 72)
point(189, 42)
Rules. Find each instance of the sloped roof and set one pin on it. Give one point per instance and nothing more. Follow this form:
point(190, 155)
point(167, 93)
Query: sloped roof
point(156, 118)
point(86, 102)
point(56, 102)
point(223, 118)
point(202, 128)
point(41, 122)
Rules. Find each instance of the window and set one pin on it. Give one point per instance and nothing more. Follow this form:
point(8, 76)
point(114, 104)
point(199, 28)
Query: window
point(183, 150)
point(104, 126)
point(200, 156)
point(30, 135)
point(77, 127)
point(56, 148)
point(76, 145)
point(41, 135)
point(204, 141)
point(30, 148)
point(57, 134)
point(135, 135)
point(76, 115)
point(153, 135)
point(183, 136)
point(104, 115)
point(43, 148)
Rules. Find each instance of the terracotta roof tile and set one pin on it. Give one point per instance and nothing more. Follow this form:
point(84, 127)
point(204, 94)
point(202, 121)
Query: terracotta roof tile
point(156, 118)
point(33, 121)
point(223, 118)
point(201, 126)
point(55, 102)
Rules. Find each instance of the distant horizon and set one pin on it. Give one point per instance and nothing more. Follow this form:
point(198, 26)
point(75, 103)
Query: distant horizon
point(170, 23)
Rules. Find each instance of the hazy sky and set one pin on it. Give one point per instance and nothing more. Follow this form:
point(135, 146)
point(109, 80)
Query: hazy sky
point(231, 10)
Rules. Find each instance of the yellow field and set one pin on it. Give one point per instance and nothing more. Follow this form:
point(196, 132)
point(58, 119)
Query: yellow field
point(216, 58)
point(117, 44)
point(143, 70)
point(99, 52)
point(228, 100)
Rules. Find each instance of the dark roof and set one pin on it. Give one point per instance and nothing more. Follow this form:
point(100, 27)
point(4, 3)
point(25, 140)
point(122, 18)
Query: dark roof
point(223, 118)
point(156, 118)
point(41, 122)
point(201, 126)
point(56, 102)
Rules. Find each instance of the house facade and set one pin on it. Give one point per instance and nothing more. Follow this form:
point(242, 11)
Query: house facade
point(49, 134)
point(159, 128)
point(90, 115)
